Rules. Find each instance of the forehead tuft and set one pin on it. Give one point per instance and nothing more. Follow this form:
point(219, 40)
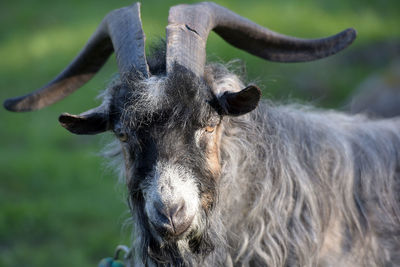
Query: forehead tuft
point(180, 97)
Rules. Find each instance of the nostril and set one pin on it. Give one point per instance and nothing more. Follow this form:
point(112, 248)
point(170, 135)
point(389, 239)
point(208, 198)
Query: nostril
point(172, 218)
point(170, 211)
point(180, 219)
point(162, 213)
point(177, 210)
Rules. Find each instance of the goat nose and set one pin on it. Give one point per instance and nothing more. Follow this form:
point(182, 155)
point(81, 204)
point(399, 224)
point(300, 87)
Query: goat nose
point(172, 219)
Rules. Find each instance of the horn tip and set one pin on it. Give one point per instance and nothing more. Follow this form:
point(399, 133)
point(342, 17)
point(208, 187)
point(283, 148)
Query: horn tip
point(15, 105)
point(351, 34)
point(8, 104)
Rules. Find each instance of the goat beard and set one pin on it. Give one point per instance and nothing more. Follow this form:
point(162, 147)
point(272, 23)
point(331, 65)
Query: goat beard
point(189, 251)
point(186, 252)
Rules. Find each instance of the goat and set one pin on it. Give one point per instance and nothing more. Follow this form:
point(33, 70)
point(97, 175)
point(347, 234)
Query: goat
point(216, 178)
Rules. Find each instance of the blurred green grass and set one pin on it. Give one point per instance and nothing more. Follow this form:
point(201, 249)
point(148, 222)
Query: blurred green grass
point(59, 205)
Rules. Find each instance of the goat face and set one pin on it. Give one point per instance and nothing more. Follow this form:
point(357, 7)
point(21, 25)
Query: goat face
point(170, 130)
point(169, 151)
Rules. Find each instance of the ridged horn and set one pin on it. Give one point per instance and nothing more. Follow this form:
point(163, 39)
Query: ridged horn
point(189, 26)
point(120, 31)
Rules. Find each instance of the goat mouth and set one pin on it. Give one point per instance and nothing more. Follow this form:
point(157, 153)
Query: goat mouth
point(169, 234)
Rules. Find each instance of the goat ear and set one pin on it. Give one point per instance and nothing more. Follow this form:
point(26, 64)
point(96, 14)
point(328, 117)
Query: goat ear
point(239, 103)
point(93, 121)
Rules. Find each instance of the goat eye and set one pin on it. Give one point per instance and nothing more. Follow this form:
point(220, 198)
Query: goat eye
point(209, 129)
point(123, 137)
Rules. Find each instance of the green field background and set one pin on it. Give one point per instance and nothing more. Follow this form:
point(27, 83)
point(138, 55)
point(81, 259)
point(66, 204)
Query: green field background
point(60, 205)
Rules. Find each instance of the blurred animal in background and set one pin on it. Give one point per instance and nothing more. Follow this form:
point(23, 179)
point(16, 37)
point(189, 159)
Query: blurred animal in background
point(217, 177)
point(379, 94)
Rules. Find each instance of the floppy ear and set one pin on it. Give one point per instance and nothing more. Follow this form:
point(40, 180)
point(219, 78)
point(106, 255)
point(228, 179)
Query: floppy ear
point(93, 121)
point(239, 103)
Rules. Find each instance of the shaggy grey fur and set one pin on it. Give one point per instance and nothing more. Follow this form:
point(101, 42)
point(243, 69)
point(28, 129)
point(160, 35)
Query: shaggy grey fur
point(298, 186)
point(310, 187)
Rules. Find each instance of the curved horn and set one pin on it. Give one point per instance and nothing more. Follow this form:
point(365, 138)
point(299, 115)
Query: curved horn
point(120, 31)
point(189, 26)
